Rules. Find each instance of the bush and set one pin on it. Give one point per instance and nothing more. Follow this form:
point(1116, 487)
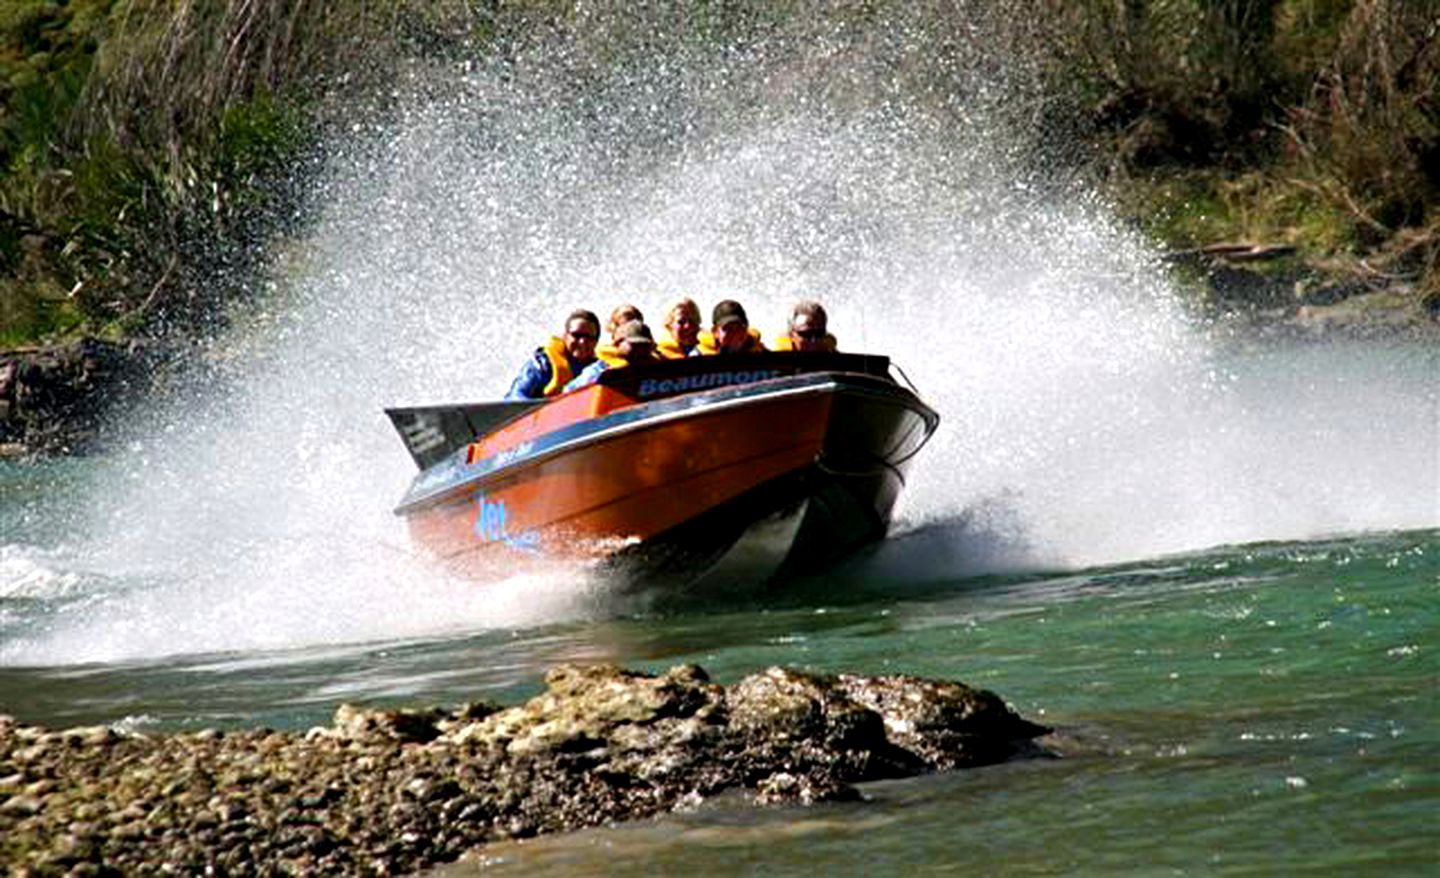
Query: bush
point(147, 146)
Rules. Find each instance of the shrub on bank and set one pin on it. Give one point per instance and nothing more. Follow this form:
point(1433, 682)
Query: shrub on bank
point(1309, 122)
point(149, 148)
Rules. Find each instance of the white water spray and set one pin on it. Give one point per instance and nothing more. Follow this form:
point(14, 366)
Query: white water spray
point(1086, 418)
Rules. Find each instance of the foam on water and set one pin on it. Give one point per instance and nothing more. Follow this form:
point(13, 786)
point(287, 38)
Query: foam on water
point(1087, 418)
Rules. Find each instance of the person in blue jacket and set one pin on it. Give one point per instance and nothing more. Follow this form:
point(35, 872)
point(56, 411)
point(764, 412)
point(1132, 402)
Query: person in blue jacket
point(559, 360)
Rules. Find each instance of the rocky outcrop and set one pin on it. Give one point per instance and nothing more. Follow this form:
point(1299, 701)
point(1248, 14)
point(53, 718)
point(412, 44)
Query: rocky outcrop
point(396, 791)
point(52, 399)
point(1296, 297)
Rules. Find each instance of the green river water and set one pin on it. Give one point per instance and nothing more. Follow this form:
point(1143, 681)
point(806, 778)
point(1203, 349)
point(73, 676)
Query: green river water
point(1243, 710)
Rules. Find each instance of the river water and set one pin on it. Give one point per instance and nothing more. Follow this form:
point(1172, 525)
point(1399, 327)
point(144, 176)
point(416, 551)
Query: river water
point(1210, 561)
point(1248, 707)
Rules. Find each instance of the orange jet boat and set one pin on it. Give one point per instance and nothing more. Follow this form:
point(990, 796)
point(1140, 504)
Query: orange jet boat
point(720, 469)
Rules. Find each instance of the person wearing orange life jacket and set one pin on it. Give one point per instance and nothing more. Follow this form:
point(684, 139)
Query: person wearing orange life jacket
point(634, 345)
point(730, 331)
point(808, 330)
point(682, 331)
point(560, 359)
point(622, 315)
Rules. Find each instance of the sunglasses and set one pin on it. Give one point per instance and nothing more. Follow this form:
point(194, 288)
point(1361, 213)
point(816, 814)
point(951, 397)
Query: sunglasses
point(812, 334)
point(584, 336)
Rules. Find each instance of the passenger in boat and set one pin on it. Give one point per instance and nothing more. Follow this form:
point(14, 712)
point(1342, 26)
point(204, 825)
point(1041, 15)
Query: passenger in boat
point(634, 345)
point(622, 315)
point(808, 329)
point(730, 331)
point(553, 365)
point(682, 331)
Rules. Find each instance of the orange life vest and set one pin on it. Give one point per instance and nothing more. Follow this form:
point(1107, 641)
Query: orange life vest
point(613, 358)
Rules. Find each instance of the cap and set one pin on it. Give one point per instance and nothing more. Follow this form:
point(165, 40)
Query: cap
point(728, 311)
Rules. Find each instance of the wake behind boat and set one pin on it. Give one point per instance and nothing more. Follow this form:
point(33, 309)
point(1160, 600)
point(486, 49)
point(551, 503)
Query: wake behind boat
point(716, 470)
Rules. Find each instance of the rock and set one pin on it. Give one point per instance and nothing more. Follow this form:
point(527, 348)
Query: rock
point(53, 399)
point(946, 724)
point(1241, 288)
point(23, 805)
point(406, 726)
point(390, 791)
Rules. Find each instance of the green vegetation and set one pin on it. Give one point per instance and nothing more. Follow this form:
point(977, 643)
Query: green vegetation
point(147, 146)
point(1309, 122)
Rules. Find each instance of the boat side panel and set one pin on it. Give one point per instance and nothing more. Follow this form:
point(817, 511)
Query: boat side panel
point(572, 408)
point(621, 388)
point(597, 498)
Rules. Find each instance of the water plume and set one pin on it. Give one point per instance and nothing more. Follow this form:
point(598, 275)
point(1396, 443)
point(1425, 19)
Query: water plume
point(906, 183)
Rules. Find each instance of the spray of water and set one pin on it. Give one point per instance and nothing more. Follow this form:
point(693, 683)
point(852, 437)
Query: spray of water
point(1087, 418)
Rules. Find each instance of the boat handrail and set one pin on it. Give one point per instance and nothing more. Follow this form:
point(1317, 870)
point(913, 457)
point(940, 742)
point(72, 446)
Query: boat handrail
point(906, 378)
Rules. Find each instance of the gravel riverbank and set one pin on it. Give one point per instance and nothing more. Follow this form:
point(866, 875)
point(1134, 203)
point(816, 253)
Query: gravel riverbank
point(386, 792)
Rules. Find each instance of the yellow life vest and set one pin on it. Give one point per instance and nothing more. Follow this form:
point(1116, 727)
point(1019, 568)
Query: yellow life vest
point(669, 349)
point(709, 345)
point(560, 371)
point(611, 355)
point(613, 358)
point(783, 343)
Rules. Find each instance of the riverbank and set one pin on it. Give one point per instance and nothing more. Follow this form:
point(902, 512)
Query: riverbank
point(1270, 289)
point(55, 399)
point(399, 791)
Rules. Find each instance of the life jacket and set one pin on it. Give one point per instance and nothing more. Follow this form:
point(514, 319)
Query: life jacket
point(669, 349)
point(783, 343)
point(610, 354)
point(613, 358)
point(560, 369)
point(709, 345)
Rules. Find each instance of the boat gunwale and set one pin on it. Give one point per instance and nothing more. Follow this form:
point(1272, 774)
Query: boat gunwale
point(633, 418)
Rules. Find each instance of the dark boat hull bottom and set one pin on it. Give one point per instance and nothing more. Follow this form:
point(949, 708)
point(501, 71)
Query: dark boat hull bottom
point(795, 525)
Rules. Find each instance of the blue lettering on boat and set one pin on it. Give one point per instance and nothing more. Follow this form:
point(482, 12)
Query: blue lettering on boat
point(656, 387)
point(492, 526)
point(490, 519)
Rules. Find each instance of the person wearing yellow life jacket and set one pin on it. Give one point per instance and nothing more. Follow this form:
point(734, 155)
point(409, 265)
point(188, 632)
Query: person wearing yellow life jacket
point(622, 315)
point(682, 331)
point(808, 330)
point(730, 331)
point(560, 359)
point(633, 345)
